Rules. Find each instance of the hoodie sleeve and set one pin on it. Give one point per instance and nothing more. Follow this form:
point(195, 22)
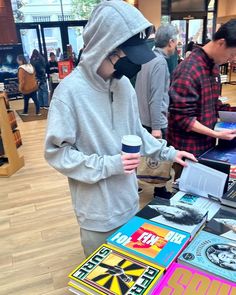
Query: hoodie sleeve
point(157, 148)
point(62, 154)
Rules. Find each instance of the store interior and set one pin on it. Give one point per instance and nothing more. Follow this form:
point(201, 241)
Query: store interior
point(39, 233)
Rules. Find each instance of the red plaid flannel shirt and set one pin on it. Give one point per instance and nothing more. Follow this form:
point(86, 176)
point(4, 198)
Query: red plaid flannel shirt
point(194, 95)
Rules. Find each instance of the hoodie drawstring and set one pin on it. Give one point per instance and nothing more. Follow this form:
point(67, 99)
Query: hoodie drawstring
point(112, 115)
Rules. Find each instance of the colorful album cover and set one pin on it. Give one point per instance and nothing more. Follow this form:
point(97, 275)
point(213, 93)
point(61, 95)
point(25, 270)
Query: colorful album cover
point(225, 125)
point(109, 271)
point(219, 153)
point(229, 198)
point(223, 223)
point(150, 240)
point(181, 215)
point(181, 279)
point(9, 68)
point(211, 253)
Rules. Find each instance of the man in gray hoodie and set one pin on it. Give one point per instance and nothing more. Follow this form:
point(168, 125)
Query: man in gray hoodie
point(153, 82)
point(91, 109)
point(152, 86)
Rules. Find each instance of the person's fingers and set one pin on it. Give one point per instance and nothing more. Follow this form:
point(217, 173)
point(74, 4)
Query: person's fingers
point(181, 162)
point(131, 156)
point(190, 156)
point(131, 162)
point(130, 167)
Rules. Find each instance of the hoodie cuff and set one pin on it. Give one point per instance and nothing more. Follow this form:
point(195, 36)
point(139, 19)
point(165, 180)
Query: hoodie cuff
point(168, 154)
point(114, 165)
point(173, 154)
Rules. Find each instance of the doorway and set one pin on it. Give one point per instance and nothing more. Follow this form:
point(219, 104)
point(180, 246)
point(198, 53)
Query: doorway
point(189, 30)
point(48, 36)
point(30, 39)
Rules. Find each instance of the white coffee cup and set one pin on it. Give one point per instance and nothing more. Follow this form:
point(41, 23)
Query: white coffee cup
point(131, 144)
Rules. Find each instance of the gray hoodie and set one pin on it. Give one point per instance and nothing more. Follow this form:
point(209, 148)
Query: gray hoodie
point(87, 119)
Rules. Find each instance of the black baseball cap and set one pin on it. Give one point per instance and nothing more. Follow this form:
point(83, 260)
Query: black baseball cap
point(137, 50)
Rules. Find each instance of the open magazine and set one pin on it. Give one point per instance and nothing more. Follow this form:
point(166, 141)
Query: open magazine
point(226, 116)
point(227, 121)
point(203, 181)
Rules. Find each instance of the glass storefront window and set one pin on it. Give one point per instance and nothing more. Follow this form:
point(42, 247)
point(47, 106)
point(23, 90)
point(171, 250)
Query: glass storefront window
point(195, 30)
point(195, 33)
point(181, 29)
point(75, 38)
point(52, 39)
point(210, 22)
point(29, 41)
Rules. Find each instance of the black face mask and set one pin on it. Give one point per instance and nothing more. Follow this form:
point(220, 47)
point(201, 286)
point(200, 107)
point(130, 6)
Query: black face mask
point(125, 67)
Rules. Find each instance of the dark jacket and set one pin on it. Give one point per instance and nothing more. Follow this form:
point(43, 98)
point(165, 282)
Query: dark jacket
point(52, 67)
point(39, 64)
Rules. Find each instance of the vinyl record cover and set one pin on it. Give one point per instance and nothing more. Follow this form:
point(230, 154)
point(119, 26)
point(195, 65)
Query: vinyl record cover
point(194, 201)
point(211, 253)
point(153, 241)
point(9, 68)
point(221, 153)
point(225, 125)
point(180, 215)
point(109, 271)
point(229, 198)
point(181, 279)
point(223, 223)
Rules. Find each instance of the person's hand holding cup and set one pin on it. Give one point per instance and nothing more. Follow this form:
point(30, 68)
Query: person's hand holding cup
point(130, 152)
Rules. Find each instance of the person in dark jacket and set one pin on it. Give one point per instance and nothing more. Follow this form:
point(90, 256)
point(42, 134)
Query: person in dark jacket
point(52, 71)
point(38, 62)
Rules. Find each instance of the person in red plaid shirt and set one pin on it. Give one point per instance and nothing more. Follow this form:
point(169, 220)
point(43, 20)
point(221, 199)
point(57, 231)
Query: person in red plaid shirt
point(194, 94)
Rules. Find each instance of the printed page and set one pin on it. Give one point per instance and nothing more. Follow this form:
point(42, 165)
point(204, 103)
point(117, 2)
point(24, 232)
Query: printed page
point(201, 203)
point(227, 116)
point(201, 180)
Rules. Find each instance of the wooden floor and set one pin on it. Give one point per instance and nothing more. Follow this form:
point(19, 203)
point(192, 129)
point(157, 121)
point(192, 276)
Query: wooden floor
point(39, 235)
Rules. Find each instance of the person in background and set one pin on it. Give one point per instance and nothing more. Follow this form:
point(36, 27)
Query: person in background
point(52, 71)
point(59, 54)
point(194, 95)
point(74, 59)
point(151, 38)
point(91, 110)
point(172, 62)
point(27, 84)
point(152, 86)
point(39, 63)
point(189, 48)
